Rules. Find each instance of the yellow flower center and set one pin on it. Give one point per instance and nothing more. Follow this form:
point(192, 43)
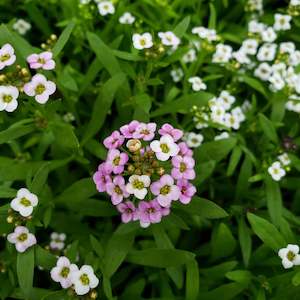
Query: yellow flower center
point(84, 279)
point(182, 167)
point(7, 98)
point(22, 237)
point(25, 202)
point(142, 42)
point(137, 184)
point(116, 160)
point(65, 272)
point(40, 88)
point(4, 57)
point(164, 148)
point(165, 190)
point(118, 190)
point(291, 256)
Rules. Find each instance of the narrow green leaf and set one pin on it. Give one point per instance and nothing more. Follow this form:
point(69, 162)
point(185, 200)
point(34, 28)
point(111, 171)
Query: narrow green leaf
point(40, 179)
point(268, 128)
point(245, 241)
point(63, 39)
point(182, 27)
point(192, 280)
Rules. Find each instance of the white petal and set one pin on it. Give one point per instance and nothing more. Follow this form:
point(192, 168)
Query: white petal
point(81, 289)
point(155, 146)
point(293, 248)
point(140, 194)
point(162, 156)
point(26, 211)
point(145, 179)
point(287, 263)
point(282, 253)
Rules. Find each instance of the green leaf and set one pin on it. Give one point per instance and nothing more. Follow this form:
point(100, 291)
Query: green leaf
point(97, 246)
point(224, 292)
point(44, 258)
point(213, 17)
point(296, 279)
point(104, 54)
point(274, 201)
point(268, 128)
point(234, 160)
point(183, 104)
point(160, 258)
point(182, 27)
point(40, 179)
point(116, 250)
point(102, 105)
point(223, 243)
point(63, 39)
point(204, 208)
point(243, 178)
point(216, 150)
point(267, 232)
point(245, 241)
point(192, 280)
point(15, 131)
point(255, 84)
point(241, 276)
point(25, 270)
point(142, 107)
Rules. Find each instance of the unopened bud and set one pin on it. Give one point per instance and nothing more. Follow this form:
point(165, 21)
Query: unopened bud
point(10, 219)
point(160, 171)
point(134, 145)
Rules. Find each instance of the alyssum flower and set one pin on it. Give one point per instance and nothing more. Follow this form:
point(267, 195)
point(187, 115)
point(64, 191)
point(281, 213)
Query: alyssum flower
point(135, 171)
point(22, 238)
point(24, 202)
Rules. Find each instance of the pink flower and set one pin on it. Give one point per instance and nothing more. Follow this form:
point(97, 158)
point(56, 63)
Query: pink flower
point(165, 190)
point(102, 177)
point(62, 272)
point(115, 140)
point(176, 134)
point(187, 191)
point(43, 60)
point(183, 167)
point(7, 56)
point(128, 211)
point(116, 160)
point(128, 129)
point(145, 131)
point(149, 212)
point(40, 88)
point(117, 190)
point(184, 150)
point(22, 238)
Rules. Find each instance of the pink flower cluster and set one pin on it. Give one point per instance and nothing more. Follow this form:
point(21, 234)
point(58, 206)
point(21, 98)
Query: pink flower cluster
point(145, 171)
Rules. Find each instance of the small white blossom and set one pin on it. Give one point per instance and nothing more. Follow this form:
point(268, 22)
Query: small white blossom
point(142, 41)
point(263, 71)
point(249, 46)
point(84, 280)
point(24, 202)
point(231, 121)
point(169, 39)
point(21, 26)
point(8, 98)
point(290, 256)
point(106, 8)
point(282, 22)
point(225, 99)
point(266, 52)
point(194, 140)
point(127, 18)
point(22, 238)
point(57, 241)
point(269, 35)
point(197, 83)
point(256, 27)
point(287, 47)
point(223, 54)
point(284, 159)
point(277, 82)
point(164, 148)
point(276, 171)
point(62, 272)
point(7, 56)
point(190, 56)
point(137, 186)
point(295, 2)
point(177, 74)
point(222, 136)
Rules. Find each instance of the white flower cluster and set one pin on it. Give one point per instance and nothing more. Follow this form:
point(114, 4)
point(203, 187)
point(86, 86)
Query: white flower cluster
point(210, 35)
point(277, 169)
point(69, 275)
point(221, 113)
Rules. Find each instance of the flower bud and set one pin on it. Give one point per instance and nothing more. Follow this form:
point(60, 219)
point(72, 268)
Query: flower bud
point(10, 219)
point(93, 295)
point(134, 145)
point(160, 171)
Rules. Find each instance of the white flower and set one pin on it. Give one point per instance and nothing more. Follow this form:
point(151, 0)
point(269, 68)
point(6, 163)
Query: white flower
point(266, 52)
point(62, 272)
point(223, 54)
point(231, 121)
point(7, 56)
point(294, 58)
point(169, 39)
point(201, 121)
point(194, 140)
point(205, 33)
point(295, 2)
point(277, 82)
point(197, 83)
point(138, 186)
point(127, 18)
point(276, 171)
point(164, 148)
point(284, 159)
point(222, 136)
point(237, 111)
point(282, 22)
point(24, 202)
point(85, 2)
point(57, 241)
point(249, 46)
point(269, 35)
point(287, 47)
point(241, 57)
point(225, 99)
point(142, 41)
point(106, 8)
point(40, 88)
point(290, 256)
point(190, 56)
point(246, 106)
point(256, 27)
point(8, 98)
point(84, 280)
point(22, 238)
point(177, 74)
point(21, 26)
point(217, 114)
point(263, 71)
